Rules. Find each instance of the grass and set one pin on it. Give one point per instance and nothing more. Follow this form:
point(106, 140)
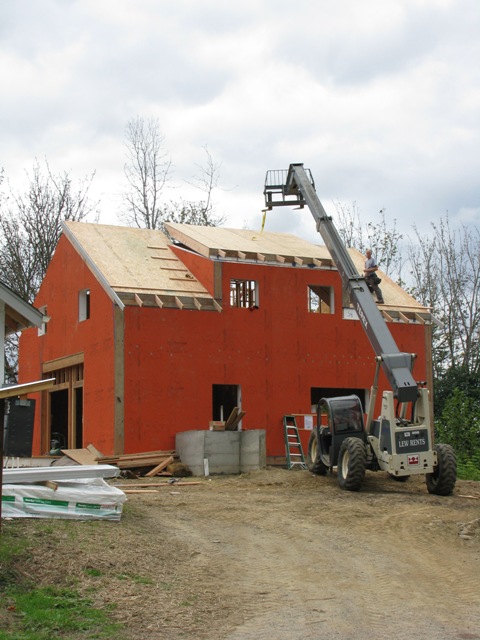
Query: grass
point(30, 612)
point(468, 468)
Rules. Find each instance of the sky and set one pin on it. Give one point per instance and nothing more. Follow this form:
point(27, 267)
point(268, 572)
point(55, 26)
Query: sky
point(380, 99)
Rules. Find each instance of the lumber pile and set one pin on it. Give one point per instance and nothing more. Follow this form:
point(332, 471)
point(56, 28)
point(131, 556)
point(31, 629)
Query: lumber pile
point(148, 463)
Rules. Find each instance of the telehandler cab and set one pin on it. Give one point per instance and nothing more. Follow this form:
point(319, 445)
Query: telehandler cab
point(400, 440)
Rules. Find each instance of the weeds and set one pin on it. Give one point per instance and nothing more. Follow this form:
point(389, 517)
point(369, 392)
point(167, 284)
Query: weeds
point(31, 612)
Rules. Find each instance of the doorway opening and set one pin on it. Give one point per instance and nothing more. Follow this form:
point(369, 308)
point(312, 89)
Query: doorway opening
point(59, 420)
point(225, 397)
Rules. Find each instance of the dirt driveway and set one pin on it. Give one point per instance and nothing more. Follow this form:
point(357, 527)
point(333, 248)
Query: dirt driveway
point(280, 554)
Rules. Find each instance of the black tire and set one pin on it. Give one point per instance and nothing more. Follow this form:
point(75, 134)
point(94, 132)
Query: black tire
point(352, 463)
point(398, 478)
point(314, 462)
point(442, 481)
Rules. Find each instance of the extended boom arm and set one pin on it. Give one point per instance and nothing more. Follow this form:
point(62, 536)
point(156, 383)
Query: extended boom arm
point(298, 184)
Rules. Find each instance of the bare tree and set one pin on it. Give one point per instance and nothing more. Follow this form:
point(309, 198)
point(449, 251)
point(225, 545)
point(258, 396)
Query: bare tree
point(199, 212)
point(445, 269)
point(383, 238)
point(148, 172)
point(30, 227)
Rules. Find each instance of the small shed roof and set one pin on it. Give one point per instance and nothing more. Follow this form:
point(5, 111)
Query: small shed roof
point(19, 314)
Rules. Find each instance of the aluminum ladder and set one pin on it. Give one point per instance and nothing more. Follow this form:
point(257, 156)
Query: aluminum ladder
point(293, 445)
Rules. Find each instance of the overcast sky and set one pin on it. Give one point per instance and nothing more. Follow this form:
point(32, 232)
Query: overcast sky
point(379, 98)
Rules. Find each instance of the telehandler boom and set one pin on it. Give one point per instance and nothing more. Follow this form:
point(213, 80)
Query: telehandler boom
point(400, 440)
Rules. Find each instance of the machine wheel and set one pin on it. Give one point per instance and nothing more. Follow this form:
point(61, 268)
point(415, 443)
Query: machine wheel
point(314, 462)
point(352, 463)
point(442, 481)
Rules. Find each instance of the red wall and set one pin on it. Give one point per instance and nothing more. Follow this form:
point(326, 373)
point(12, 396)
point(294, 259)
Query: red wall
point(66, 276)
point(277, 352)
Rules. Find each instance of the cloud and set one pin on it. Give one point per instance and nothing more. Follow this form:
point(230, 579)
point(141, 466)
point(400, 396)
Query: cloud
point(381, 99)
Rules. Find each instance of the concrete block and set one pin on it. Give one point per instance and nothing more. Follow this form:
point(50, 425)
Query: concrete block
point(227, 452)
point(253, 451)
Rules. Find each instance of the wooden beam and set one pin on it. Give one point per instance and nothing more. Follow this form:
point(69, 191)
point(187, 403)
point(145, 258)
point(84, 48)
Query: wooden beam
point(280, 259)
point(62, 363)
point(197, 303)
point(260, 257)
point(298, 260)
point(160, 467)
point(138, 300)
point(221, 253)
point(216, 305)
point(241, 255)
point(178, 302)
point(403, 317)
point(158, 301)
point(29, 387)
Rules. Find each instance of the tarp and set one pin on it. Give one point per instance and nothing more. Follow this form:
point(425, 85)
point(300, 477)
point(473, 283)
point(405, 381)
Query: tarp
point(81, 499)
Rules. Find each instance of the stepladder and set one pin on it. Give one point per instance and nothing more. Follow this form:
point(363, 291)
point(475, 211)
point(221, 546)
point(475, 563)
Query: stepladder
point(293, 445)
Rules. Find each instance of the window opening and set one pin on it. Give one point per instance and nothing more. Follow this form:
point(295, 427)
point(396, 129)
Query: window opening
point(243, 293)
point(42, 330)
point(84, 305)
point(320, 299)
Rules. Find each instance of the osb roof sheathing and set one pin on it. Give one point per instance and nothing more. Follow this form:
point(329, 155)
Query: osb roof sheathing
point(218, 242)
point(135, 260)
point(140, 261)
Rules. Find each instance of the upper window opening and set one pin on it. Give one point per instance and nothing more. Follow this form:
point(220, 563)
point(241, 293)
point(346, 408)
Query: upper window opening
point(320, 299)
point(84, 305)
point(243, 293)
point(42, 330)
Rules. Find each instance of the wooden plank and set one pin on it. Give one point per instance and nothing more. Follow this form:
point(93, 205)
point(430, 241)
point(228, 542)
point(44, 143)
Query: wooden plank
point(29, 387)
point(62, 363)
point(161, 484)
point(159, 467)
point(231, 418)
point(82, 456)
point(234, 424)
point(140, 491)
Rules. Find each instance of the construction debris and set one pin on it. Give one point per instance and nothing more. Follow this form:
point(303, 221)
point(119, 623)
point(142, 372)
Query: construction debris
point(70, 492)
point(81, 499)
point(41, 474)
point(150, 463)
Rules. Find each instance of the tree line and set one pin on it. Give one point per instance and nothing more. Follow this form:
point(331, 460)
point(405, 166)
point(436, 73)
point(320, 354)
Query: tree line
point(441, 269)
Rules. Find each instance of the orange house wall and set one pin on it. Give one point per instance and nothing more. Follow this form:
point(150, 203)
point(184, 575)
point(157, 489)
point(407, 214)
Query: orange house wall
point(66, 276)
point(276, 353)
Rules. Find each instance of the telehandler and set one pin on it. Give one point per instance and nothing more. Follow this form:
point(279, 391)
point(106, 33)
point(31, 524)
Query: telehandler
point(400, 440)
